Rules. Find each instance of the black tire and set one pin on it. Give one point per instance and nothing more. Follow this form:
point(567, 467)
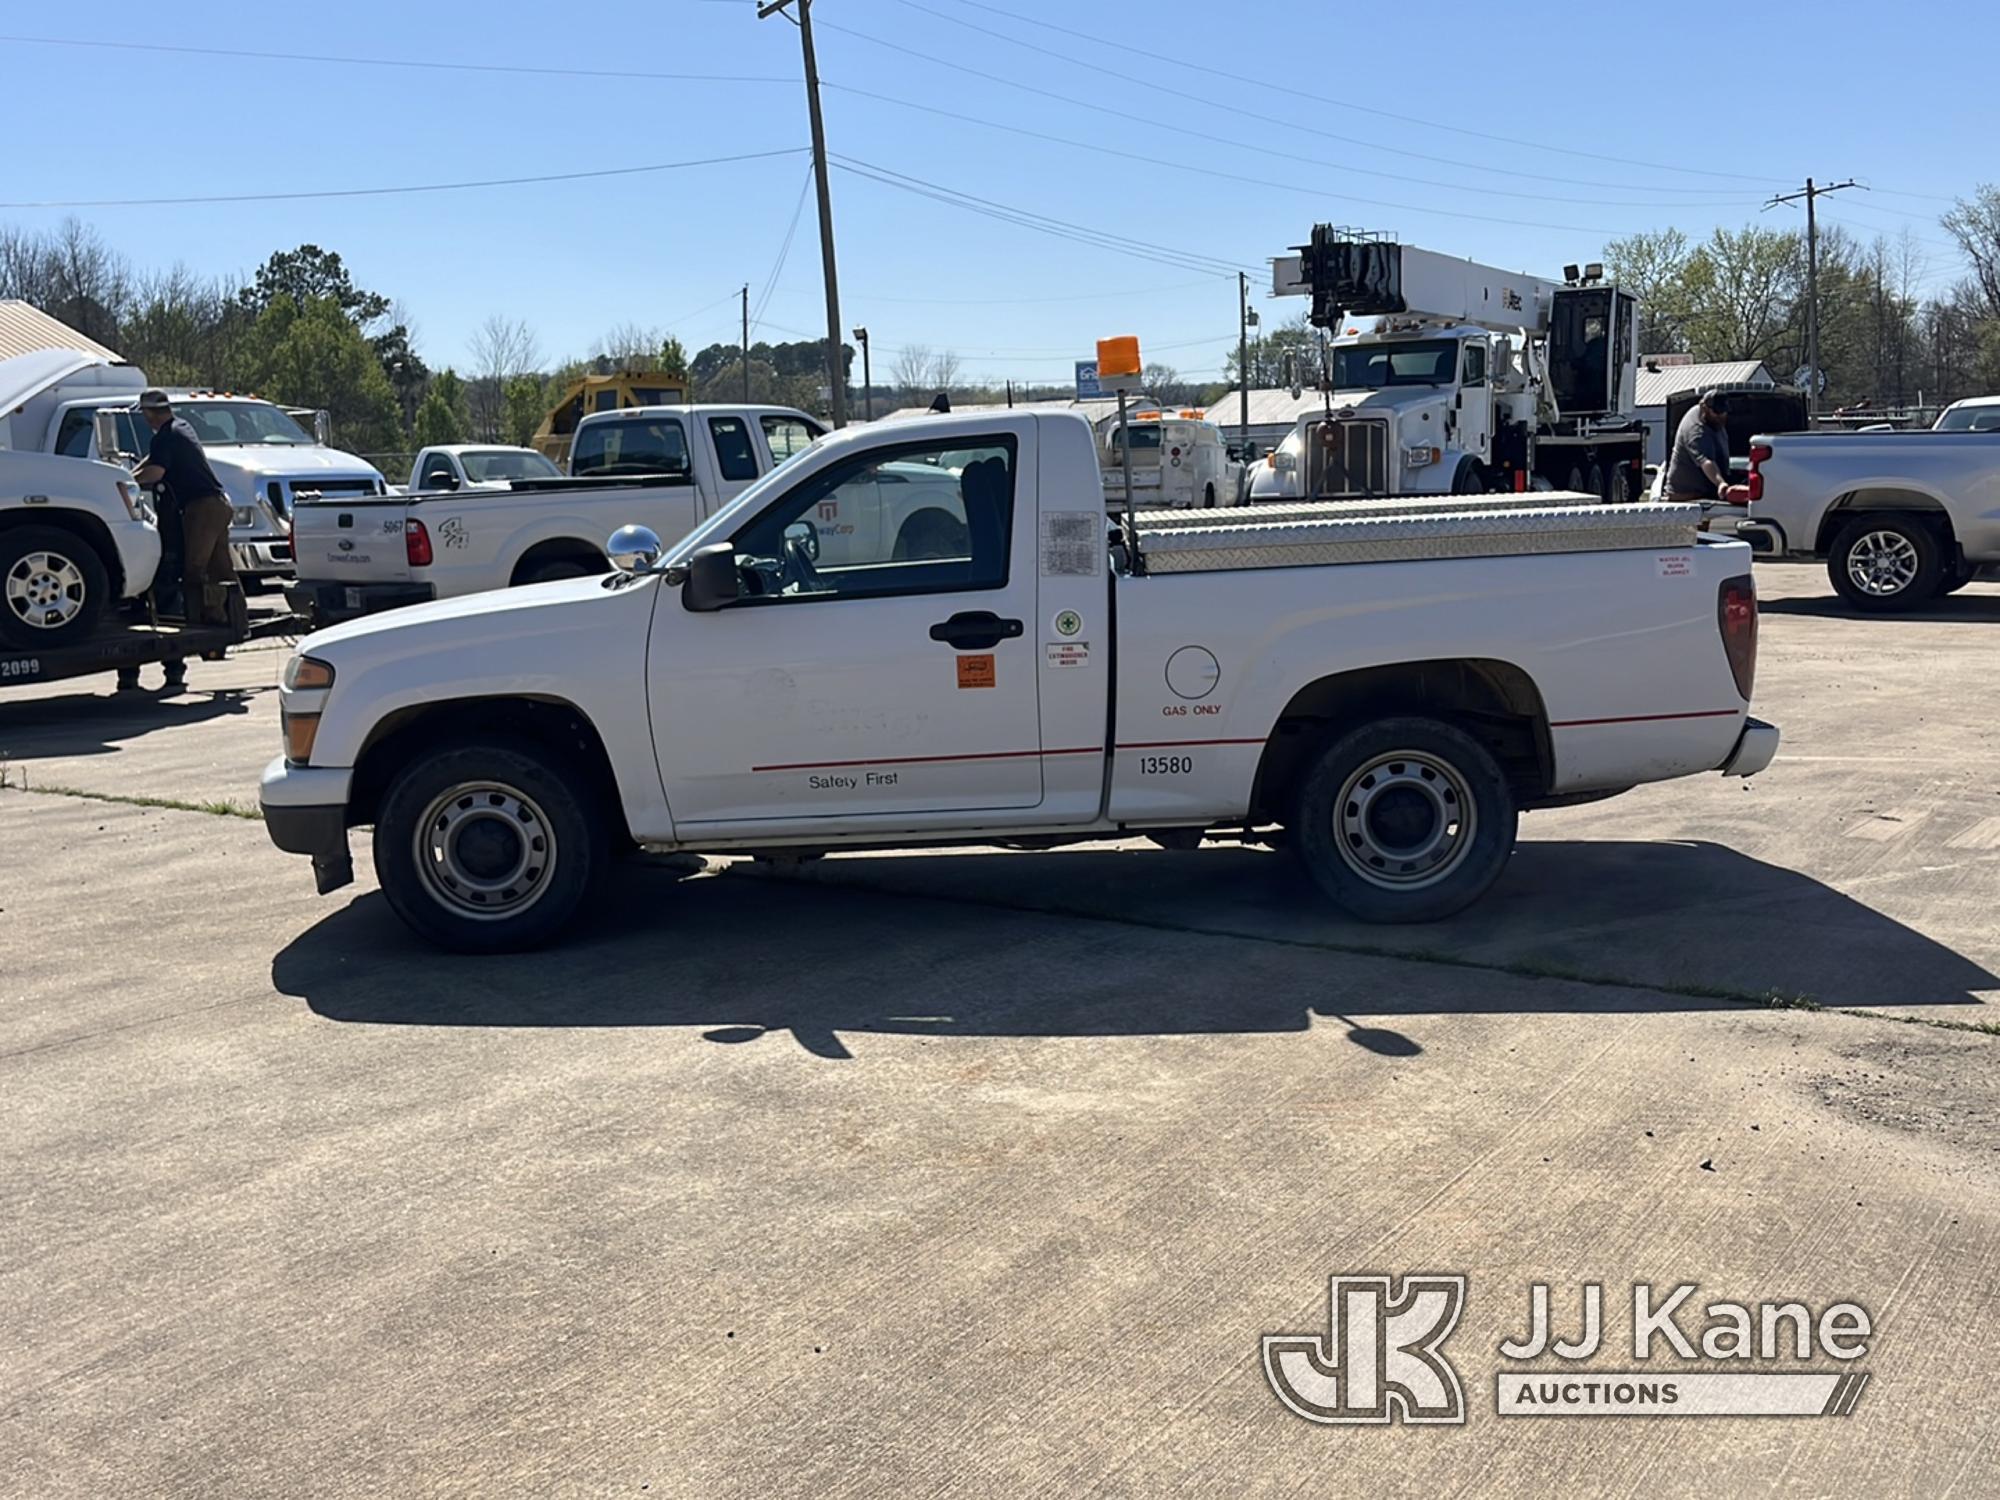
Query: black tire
point(53, 587)
point(1883, 563)
point(555, 568)
point(1574, 482)
point(1427, 777)
point(1470, 479)
point(1622, 485)
point(504, 795)
point(1208, 497)
point(1594, 483)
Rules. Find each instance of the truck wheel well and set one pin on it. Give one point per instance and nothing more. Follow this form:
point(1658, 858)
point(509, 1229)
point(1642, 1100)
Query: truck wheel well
point(85, 527)
point(1494, 701)
point(551, 723)
point(558, 550)
point(1906, 502)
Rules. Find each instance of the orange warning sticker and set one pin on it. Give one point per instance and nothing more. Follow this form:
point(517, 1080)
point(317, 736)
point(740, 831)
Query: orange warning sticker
point(976, 671)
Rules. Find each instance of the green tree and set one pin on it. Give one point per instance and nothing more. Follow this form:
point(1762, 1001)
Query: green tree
point(315, 356)
point(526, 404)
point(1278, 356)
point(436, 422)
point(1653, 267)
point(673, 358)
point(1745, 291)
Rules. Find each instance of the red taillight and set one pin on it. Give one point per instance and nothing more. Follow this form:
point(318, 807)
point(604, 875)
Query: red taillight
point(417, 544)
point(1736, 616)
point(1759, 453)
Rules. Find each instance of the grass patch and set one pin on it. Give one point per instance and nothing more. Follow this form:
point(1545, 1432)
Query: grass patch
point(17, 781)
point(1937, 1023)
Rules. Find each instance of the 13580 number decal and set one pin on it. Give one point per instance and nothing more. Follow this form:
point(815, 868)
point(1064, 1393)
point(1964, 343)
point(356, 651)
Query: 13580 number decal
point(1165, 765)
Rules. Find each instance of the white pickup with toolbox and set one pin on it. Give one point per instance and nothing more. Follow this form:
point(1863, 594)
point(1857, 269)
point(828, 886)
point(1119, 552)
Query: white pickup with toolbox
point(1381, 686)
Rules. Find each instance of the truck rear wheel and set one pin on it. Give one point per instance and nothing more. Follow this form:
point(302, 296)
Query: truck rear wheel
point(53, 586)
point(489, 846)
point(1886, 562)
point(1404, 820)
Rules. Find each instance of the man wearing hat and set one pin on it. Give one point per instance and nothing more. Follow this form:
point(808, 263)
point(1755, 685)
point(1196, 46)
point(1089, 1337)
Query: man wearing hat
point(1698, 466)
point(176, 458)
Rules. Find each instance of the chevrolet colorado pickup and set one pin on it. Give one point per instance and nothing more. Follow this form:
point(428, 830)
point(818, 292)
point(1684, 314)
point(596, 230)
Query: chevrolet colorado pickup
point(1382, 685)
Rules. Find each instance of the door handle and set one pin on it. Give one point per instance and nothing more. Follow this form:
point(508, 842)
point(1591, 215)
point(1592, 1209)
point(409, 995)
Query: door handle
point(975, 630)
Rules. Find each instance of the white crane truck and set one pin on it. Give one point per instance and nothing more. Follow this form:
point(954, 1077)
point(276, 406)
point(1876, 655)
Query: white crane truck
point(1444, 376)
point(1383, 686)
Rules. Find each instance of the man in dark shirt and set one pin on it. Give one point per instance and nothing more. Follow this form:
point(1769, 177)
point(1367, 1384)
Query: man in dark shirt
point(177, 460)
point(1698, 466)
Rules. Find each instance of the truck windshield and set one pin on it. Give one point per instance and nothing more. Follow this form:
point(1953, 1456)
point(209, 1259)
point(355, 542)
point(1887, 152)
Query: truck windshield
point(1371, 366)
point(241, 422)
point(506, 463)
point(1970, 419)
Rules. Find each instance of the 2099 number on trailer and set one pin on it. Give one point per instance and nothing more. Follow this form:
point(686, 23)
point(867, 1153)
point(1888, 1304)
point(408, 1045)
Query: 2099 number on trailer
point(1166, 765)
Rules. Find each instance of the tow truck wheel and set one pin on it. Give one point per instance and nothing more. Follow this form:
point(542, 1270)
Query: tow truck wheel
point(489, 846)
point(1404, 820)
point(52, 586)
point(1886, 562)
point(1469, 479)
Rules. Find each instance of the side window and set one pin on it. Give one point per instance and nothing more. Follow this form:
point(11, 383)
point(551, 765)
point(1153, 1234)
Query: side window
point(73, 437)
point(1475, 365)
point(734, 453)
point(631, 445)
point(895, 521)
point(787, 435)
point(437, 473)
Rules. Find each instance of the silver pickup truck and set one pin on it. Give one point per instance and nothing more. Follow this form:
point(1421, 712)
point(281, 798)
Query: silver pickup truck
point(1899, 517)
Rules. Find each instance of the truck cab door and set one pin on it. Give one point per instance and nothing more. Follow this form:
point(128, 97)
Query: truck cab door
point(733, 450)
point(892, 688)
point(1473, 418)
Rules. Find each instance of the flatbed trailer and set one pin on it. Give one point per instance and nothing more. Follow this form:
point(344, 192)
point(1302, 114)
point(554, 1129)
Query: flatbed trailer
point(133, 643)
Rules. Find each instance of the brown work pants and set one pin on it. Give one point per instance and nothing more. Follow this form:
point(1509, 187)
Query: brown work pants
point(206, 569)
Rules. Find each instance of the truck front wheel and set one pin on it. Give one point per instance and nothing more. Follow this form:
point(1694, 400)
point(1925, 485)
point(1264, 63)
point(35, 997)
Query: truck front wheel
point(489, 846)
point(1404, 820)
point(1886, 562)
point(53, 586)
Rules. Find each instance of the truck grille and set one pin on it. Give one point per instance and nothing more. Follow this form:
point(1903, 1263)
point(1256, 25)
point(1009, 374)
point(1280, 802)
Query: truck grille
point(1347, 458)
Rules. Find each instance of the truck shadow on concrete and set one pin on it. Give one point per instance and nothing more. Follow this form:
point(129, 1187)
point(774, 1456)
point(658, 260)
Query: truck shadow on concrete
point(1215, 941)
point(88, 723)
point(1967, 608)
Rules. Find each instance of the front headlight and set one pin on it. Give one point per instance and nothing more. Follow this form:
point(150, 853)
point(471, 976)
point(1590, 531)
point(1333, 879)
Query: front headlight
point(305, 674)
point(129, 493)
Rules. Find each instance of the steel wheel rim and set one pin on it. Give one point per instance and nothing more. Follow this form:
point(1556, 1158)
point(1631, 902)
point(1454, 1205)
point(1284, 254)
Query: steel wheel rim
point(45, 590)
point(485, 850)
point(1405, 820)
point(1882, 563)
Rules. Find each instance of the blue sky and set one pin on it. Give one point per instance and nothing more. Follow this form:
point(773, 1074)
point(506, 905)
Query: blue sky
point(1215, 135)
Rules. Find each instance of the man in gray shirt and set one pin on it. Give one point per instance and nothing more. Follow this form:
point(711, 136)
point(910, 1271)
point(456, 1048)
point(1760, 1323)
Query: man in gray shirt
point(1698, 467)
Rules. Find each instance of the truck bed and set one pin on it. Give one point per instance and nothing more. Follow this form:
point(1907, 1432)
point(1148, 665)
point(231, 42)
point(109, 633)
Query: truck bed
point(1405, 530)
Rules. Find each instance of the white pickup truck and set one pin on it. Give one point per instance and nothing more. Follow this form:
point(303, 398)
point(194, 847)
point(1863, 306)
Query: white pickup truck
point(1386, 682)
point(1900, 517)
point(477, 466)
point(74, 538)
point(667, 467)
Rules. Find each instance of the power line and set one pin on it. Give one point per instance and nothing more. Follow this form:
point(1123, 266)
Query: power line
point(1155, 162)
point(1060, 228)
point(402, 62)
point(1288, 125)
point(1398, 116)
point(1126, 291)
point(420, 187)
point(784, 251)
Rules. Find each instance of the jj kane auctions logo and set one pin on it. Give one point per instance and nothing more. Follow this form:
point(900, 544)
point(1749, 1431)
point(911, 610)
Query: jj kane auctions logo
point(1381, 1358)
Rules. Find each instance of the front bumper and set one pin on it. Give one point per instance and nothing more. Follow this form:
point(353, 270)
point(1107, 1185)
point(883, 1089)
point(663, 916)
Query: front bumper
point(1755, 748)
point(330, 603)
point(260, 555)
point(305, 812)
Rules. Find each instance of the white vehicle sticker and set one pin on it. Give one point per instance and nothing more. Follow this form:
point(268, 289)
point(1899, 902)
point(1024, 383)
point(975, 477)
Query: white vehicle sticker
point(1072, 543)
point(1675, 564)
point(1067, 653)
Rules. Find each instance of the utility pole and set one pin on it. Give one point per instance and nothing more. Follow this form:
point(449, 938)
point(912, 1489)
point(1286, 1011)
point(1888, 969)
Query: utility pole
point(746, 343)
point(836, 373)
point(1243, 359)
point(1811, 192)
point(867, 376)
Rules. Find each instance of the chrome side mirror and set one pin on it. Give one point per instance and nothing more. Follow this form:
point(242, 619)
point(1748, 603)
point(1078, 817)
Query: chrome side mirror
point(635, 549)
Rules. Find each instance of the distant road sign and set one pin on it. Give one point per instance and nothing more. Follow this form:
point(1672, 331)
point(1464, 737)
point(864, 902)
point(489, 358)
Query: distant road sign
point(1086, 380)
